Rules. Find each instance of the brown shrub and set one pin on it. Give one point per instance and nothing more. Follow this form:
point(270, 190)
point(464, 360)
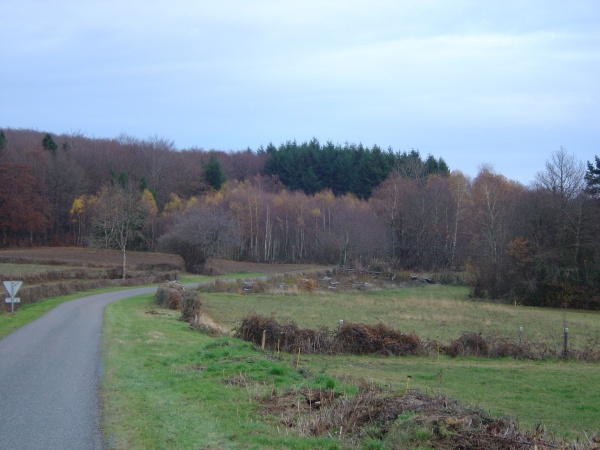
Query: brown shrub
point(501, 347)
point(285, 337)
point(251, 287)
point(352, 338)
point(168, 296)
point(469, 344)
point(505, 349)
point(190, 305)
point(376, 339)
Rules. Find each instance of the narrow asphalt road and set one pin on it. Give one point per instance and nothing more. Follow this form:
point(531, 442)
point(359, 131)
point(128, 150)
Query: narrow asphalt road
point(49, 375)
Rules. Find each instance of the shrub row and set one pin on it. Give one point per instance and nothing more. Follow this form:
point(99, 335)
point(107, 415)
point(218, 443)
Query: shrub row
point(174, 296)
point(35, 293)
point(350, 338)
point(47, 276)
point(359, 339)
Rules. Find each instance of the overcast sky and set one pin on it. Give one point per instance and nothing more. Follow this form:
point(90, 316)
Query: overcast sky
point(504, 83)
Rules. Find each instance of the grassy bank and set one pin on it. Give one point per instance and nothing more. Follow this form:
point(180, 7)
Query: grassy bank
point(168, 387)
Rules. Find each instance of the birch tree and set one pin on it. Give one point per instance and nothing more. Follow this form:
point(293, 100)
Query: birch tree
point(119, 220)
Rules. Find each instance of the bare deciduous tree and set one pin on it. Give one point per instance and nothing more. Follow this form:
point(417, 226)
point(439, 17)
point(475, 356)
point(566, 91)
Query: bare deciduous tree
point(119, 219)
point(564, 175)
point(198, 234)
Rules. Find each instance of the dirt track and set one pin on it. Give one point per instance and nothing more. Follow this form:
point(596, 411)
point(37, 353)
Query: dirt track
point(86, 257)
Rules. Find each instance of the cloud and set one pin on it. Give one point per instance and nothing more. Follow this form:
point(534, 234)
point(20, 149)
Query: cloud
point(234, 73)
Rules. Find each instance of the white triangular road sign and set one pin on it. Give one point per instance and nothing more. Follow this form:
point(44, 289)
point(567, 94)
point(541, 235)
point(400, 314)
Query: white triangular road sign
point(12, 287)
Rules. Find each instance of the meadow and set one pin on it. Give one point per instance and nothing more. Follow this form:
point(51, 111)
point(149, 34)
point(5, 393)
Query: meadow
point(431, 311)
point(155, 359)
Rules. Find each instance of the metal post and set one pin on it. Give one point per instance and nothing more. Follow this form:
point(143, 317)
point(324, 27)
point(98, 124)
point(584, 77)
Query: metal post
point(520, 336)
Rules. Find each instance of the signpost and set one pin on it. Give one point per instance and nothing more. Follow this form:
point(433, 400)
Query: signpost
point(12, 287)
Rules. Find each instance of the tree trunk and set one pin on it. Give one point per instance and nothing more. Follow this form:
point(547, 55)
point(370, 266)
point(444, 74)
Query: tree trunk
point(124, 262)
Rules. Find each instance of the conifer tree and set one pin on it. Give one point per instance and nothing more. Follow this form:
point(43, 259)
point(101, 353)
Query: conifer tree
point(2, 141)
point(592, 177)
point(213, 174)
point(49, 144)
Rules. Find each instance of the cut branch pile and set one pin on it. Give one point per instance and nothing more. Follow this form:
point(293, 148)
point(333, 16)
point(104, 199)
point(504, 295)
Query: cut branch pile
point(408, 420)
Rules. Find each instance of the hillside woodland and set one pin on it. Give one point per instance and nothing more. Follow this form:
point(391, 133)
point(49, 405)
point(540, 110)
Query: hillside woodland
point(348, 205)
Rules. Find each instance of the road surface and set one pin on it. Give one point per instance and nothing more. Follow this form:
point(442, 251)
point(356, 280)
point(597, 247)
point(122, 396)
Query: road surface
point(49, 376)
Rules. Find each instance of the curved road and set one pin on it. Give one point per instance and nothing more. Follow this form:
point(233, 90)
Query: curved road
point(49, 374)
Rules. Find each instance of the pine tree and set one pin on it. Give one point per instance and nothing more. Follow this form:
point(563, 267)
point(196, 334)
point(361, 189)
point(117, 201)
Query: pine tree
point(49, 144)
point(2, 141)
point(592, 177)
point(213, 174)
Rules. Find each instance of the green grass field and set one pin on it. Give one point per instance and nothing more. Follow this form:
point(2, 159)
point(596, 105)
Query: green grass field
point(430, 311)
point(166, 386)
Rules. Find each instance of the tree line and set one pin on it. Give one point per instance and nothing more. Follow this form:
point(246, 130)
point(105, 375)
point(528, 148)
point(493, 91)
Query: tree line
point(537, 244)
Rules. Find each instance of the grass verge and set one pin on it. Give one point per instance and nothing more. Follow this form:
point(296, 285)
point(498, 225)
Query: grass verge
point(168, 387)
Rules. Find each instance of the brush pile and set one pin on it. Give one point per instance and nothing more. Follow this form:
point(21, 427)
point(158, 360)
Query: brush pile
point(357, 339)
point(413, 419)
point(285, 337)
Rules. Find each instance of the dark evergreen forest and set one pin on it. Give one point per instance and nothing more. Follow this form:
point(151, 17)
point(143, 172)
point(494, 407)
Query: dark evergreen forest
point(348, 169)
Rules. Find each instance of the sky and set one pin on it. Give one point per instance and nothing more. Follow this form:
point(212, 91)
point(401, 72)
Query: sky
point(475, 82)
